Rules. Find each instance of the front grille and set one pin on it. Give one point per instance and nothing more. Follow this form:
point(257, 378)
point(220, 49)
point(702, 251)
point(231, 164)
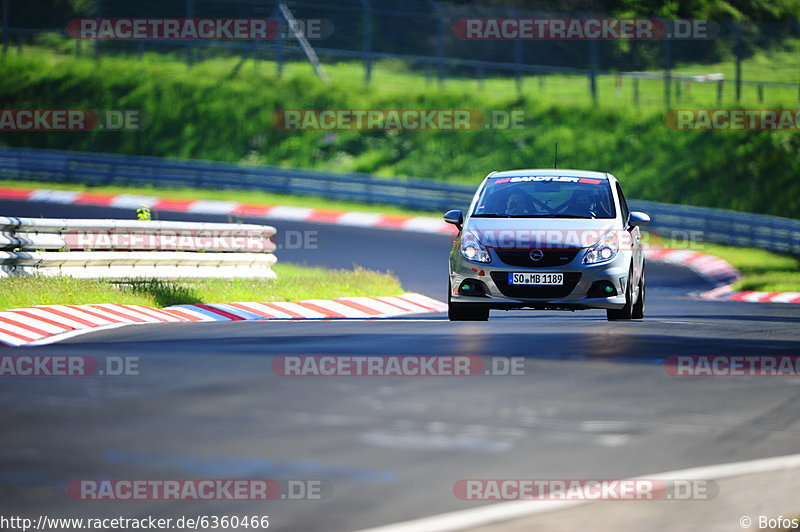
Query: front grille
point(551, 257)
point(535, 292)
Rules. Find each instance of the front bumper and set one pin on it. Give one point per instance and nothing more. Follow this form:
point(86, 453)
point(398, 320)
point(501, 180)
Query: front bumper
point(575, 294)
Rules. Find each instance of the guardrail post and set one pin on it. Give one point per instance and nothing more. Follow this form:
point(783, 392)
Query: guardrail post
point(518, 60)
point(636, 92)
point(719, 91)
point(439, 39)
point(98, 8)
point(366, 42)
point(189, 49)
point(593, 71)
point(667, 73)
point(279, 44)
point(592, 66)
point(738, 52)
point(5, 26)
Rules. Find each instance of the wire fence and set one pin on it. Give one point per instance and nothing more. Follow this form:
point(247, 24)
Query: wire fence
point(424, 36)
point(712, 225)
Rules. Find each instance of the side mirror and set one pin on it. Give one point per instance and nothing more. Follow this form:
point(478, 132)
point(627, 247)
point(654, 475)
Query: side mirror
point(637, 219)
point(455, 217)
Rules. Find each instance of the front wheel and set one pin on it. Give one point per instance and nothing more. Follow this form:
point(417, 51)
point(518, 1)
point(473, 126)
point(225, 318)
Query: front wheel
point(628, 312)
point(638, 308)
point(465, 311)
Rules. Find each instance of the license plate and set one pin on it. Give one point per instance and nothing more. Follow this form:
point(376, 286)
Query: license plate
point(536, 278)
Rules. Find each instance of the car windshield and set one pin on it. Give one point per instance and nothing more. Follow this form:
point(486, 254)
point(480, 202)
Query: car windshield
point(545, 197)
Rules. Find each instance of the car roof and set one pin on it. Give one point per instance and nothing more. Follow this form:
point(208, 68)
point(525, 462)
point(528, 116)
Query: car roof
point(549, 172)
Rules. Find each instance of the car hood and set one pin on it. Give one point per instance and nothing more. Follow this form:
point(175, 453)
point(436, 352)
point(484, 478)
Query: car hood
point(528, 233)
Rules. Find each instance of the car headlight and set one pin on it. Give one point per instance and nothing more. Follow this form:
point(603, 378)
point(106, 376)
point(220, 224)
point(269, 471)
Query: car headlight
point(472, 249)
point(604, 250)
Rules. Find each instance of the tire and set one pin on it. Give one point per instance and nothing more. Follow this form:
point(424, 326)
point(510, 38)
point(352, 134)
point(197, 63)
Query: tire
point(638, 308)
point(465, 311)
point(626, 312)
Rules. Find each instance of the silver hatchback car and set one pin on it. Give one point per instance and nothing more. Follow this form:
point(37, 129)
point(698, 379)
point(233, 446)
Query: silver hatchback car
point(547, 239)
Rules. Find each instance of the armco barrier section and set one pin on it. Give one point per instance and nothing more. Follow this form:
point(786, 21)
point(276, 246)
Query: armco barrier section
point(721, 226)
point(111, 169)
point(124, 249)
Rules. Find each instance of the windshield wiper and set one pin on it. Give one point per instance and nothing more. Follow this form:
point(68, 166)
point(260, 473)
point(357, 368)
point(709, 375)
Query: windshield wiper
point(557, 216)
point(497, 215)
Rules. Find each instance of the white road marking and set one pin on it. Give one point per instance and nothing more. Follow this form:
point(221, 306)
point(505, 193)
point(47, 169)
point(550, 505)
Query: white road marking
point(495, 513)
point(71, 334)
point(422, 440)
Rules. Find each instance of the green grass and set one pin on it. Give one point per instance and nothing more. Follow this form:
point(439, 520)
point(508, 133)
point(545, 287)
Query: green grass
point(761, 270)
point(294, 283)
point(393, 77)
point(208, 112)
point(242, 196)
point(777, 64)
point(777, 281)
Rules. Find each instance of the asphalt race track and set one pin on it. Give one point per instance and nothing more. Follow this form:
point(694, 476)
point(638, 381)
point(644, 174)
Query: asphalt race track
point(595, 400)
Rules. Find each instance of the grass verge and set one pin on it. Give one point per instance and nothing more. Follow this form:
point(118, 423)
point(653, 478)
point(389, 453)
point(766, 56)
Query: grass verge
point(294, 283)
point(762, 271)
point(219, 111)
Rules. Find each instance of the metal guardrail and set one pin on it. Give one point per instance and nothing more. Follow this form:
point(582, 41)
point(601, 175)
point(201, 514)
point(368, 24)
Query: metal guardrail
point(123, 249)
point(715, 225)
point(722, 226)
point(111, 169)
point(128, 235)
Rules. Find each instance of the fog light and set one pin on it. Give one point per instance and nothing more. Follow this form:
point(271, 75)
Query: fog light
point(602, 289)
point(471, 287)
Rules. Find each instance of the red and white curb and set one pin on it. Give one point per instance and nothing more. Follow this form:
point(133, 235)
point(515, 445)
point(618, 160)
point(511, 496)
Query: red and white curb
point(48, 323)
point(720, 272)
point(713, 268)
point(419, 224)
point(750, 296)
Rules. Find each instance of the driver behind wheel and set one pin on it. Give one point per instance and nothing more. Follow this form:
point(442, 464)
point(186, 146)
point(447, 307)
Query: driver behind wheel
point(518, 204)
point(582, 203)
